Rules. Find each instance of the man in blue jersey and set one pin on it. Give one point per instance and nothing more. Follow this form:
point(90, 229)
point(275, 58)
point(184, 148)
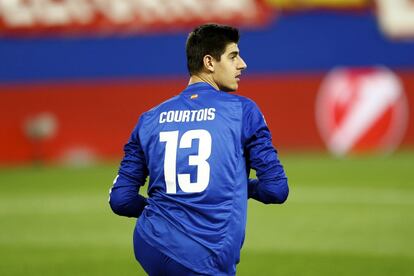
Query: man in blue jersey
point(197, 149)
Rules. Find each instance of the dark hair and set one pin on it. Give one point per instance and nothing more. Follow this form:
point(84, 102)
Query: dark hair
point(208, 39)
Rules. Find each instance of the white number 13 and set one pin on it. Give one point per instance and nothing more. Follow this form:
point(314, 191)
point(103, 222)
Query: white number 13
point(199, 160)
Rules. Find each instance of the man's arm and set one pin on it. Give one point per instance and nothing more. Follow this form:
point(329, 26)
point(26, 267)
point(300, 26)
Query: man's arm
point(124, 197)
point(271, 185)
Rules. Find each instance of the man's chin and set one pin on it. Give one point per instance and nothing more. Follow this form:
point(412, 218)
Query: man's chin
point(229, 89)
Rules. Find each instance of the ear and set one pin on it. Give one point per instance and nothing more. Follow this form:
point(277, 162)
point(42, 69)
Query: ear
point(209, 63)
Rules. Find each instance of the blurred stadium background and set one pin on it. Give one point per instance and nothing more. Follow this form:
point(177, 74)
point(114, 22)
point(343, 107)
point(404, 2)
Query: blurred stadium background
point(334, 78)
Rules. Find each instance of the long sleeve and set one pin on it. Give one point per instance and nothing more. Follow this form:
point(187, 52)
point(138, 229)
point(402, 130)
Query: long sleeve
point(124, 197)
point(271, 185)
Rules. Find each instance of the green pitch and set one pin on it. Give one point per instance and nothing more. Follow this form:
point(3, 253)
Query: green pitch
point(343, 217)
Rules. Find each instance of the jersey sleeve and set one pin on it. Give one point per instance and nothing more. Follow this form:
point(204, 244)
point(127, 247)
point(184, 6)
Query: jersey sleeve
point(271, 185)
point(124, 197)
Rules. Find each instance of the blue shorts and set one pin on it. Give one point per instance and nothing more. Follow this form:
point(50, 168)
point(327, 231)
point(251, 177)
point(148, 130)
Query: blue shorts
point(156, 263)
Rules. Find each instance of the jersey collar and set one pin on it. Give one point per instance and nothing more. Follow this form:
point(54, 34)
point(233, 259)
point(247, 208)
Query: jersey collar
point(200, 87)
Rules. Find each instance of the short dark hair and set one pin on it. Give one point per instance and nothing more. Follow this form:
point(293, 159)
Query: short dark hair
point(208, 39)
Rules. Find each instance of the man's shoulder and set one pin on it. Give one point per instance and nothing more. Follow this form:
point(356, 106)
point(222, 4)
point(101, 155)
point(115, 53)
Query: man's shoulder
point(247, 103)
point(241, 98)
point(237, 98)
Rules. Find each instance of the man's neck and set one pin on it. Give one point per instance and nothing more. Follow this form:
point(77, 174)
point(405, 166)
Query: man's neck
point(203, 78)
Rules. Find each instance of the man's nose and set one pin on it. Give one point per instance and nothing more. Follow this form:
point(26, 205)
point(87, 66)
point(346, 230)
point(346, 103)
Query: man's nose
point(242, 64)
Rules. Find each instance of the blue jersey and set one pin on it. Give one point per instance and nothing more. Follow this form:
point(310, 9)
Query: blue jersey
point(197, 149)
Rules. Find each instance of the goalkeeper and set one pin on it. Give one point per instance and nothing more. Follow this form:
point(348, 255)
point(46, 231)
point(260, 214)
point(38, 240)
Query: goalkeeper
point(197, 149)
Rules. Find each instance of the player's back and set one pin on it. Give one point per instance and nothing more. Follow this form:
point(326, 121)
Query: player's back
point(196, 211)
